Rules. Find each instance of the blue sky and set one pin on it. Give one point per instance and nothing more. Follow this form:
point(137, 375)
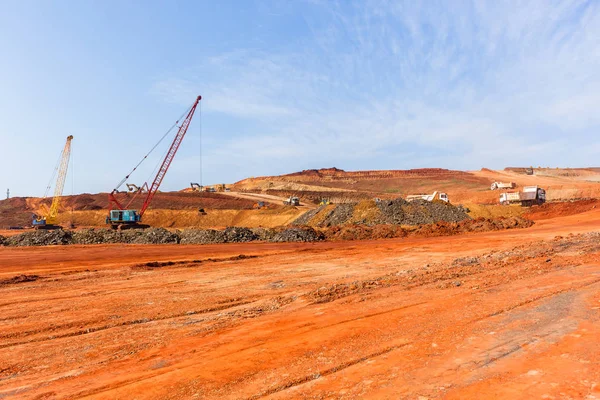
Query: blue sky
point(291, 85)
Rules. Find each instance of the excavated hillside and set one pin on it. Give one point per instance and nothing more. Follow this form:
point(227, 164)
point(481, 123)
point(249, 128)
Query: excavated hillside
point(17, 211)
point(462, 187)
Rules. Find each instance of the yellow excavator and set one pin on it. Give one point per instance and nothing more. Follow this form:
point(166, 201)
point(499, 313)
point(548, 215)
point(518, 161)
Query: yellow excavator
point(48, 219)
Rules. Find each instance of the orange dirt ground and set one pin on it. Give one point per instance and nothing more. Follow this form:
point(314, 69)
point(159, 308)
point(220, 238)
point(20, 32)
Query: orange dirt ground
point(507, 314)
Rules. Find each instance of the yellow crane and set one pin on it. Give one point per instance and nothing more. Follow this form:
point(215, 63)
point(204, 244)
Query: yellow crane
point(48, 218)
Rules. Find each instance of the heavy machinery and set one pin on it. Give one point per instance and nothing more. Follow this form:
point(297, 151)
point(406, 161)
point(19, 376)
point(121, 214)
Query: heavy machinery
point(292, 201)
point(122, 216)
point(48, 218)
point(531, 195)
point(133, 188)
point(429, 197)
point(325, 202)
point(196, 187)
point(502, 185)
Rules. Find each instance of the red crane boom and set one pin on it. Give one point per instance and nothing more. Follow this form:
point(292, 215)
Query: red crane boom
point(169, 157)
point(163, 168)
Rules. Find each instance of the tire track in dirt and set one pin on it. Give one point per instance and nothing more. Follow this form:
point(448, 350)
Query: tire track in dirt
point(105, 327)
point(534, 299)
point(329, 371)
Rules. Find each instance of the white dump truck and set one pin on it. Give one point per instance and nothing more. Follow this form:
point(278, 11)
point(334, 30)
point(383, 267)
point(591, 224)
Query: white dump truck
point(428, 197)
point(292, 201)
point(502, 185)
point(531, 195)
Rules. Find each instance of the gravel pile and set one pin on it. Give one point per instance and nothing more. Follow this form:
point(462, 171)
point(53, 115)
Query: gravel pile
point(238, 235)
point(298, 234)
point(340, 215)
point(40, 238)
point(137, 236)
point(201, 236)
point(264, 234)
point(419, 212)
point(96, 236)
point(394, 212)
point(149, 236)
point(307, 216)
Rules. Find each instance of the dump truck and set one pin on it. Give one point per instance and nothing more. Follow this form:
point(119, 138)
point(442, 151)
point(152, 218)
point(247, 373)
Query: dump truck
point(429, 197)
point(292, 201)
point(531, 195)
point(503, 185)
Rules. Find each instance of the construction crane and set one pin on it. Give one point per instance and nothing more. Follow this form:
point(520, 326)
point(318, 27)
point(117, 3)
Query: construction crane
point(122, 216)
point(48, 218)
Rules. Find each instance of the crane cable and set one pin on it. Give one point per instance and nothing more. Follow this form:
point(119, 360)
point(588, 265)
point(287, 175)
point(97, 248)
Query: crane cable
point(52, 177)
point(160, 160)
point(152, 149)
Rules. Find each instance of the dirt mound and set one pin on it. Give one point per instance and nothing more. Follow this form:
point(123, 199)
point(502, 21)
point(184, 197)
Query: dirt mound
point(553, 210)
point(298, 234)
point(364, 232)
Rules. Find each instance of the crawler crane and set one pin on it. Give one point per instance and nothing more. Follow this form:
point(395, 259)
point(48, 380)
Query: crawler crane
point(122, 216)
point(48, 218)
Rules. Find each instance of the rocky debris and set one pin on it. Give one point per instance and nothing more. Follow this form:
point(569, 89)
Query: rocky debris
point(339, 215)
point(307, 216)
point(298, 234)
point(96, 236)
point(419, 212)
point(264, 234)
point(137, 236)
point(394, 212)
point(235, 234)
point(465, 261)
point(149, 236)
point(201, 236)
point(239, 235)
point(2, 240)
point(40, 238)
point(19, 279)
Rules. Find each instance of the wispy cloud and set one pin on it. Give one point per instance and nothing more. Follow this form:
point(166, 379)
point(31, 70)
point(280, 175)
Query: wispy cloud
point(409, 84)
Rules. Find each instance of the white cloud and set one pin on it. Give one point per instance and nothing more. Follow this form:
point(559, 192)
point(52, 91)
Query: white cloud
point(475, 84)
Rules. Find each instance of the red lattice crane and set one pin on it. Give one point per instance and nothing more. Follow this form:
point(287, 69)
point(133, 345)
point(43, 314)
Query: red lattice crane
point(121, 216)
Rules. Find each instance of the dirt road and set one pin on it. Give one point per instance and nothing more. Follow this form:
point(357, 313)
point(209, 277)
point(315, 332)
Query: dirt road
point(267, 198)
point(511, 314)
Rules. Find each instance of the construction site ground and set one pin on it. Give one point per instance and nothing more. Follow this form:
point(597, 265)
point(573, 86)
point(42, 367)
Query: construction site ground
point(505, 314)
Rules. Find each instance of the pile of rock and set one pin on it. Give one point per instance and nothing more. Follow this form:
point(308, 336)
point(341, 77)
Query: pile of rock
point(419, 212)
point(40, 238)
point(298, 234)
point(238, 235)
point(201, 236)
point(394, 212)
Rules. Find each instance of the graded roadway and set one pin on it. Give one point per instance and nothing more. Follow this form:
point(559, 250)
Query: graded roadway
point(390, 319)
